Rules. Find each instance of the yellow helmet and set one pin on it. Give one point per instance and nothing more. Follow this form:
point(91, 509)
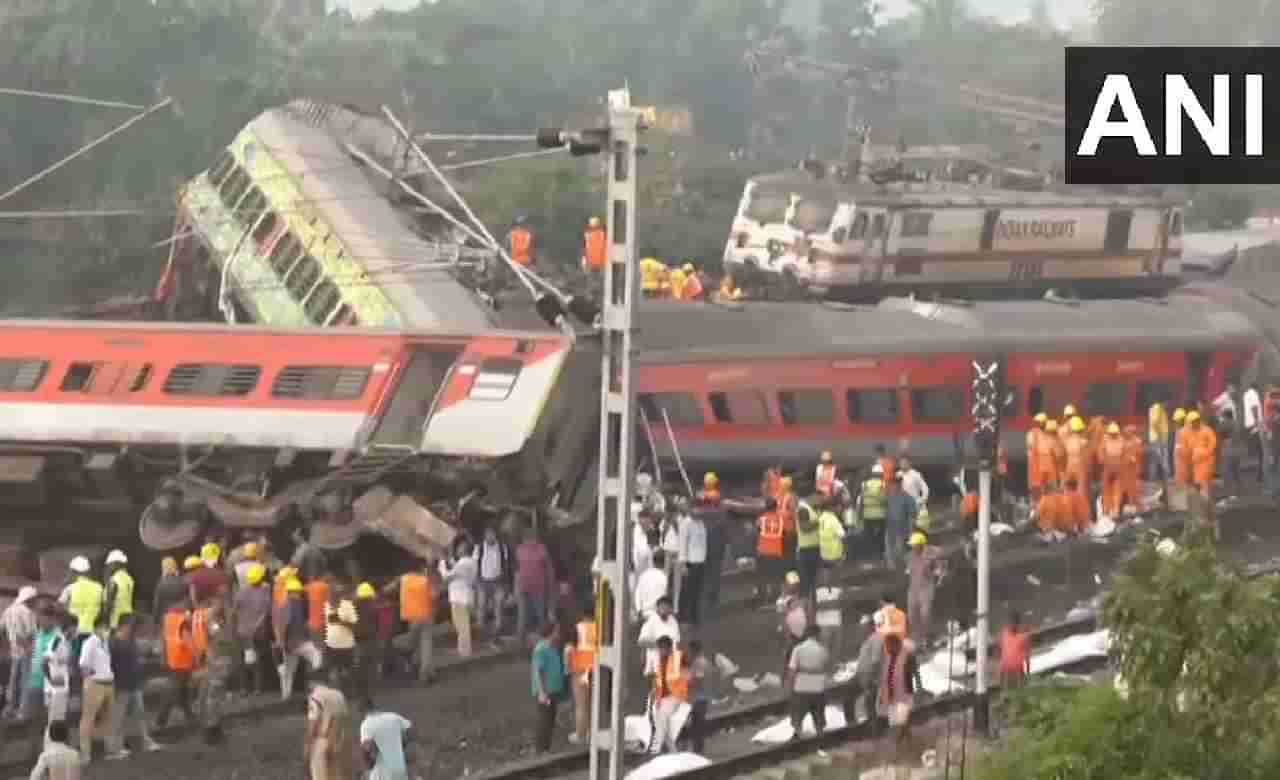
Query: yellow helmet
point(169, 565)
point(1193, 416)
point(1179, 415)
point(1042, 418)
point(1070, 411)
point(1077, 424)
point(257, 572)
point(688, 268)
point(294, 585)
point(710, 480)
point(917, 540)
point(210, 552)
point(192, 562)
point(1051, 426)
point(251, 551)
point(1113, 428)
point(365, 591)
point(594, 222)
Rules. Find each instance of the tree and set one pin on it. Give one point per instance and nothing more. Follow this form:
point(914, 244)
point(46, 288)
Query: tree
point(1195, 643)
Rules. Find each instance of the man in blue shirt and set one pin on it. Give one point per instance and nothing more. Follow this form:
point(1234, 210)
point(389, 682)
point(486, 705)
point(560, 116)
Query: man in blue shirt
point(900, 513)
point(382, 736)
point(549, 683)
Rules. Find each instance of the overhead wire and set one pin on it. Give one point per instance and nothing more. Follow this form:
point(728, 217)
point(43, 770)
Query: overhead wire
point(63, 98)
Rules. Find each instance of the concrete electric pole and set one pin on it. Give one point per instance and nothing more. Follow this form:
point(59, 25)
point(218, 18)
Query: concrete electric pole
point(988, 401)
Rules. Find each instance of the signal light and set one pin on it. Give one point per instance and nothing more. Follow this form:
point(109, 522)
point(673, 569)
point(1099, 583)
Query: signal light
point(988, 383)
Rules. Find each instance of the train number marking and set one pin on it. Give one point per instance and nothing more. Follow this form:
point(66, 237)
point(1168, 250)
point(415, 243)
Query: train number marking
point(1026, 270)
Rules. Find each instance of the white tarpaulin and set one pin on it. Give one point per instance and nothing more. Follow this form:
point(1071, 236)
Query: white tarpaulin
point(668, 766)
point(1070, 650)
point(637, 730)
point(781, 731)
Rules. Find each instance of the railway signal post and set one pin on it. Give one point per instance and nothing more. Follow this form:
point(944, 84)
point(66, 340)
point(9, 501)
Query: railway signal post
point(621, 290)
point(988, 391)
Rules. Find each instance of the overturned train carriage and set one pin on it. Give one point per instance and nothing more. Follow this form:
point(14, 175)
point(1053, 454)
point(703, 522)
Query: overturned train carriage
point(246, 427)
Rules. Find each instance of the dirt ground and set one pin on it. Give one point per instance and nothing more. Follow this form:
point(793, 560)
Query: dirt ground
point(475, 720)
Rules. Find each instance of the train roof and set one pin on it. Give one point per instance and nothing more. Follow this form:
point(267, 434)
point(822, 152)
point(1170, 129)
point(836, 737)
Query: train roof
point(240, 331)
point(305, 138)
point(938, 194)
point(694, 332)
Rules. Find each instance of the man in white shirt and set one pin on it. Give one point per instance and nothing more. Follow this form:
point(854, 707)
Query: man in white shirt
point(99, 686)
point(19, 624)
point(59, 761)
point(1225, 401)
point(651, 586)
point(1253, 424)
point(461, 577)
point(913, 483)
point(808, 668)
point(828, 616)
point(693, 567)
point(659, 624)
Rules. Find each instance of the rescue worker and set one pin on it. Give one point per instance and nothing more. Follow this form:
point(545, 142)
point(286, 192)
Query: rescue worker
point(670, 691)
point(1035, 473)
point(1052, 456)
point(1049, 510)
point(831, 533)
point(119, 595)
point(1134, 461)
point(367, 657)
point(675, 284)
point(788, 503)
point(293, 637)
point(771, 485)
point(595, 247)
point(872, 510)
point(710, 488)
point(220, 651)
point(1079, 456)
point(1181, 453)
point(808, 670)
point(914, 485)
point(653, 278)
point(1015, 652)
point(729, 290)
point(899, 681)
point(83, 600)
point(1203, 449)
point(252, 610)
point(1158, 442)
point(170, 589)
point(520, 242)
point(208, 580)
point(924, 571)
point(1075, 512)
point(692, 289)
point(318, 593)
point(888, 466)
point(824, 477)
point(770, 546)
point(891, 620)
point(581, 663)
point(325, 743)
point(1112, 458)
point(180, 659)
point(808, 552)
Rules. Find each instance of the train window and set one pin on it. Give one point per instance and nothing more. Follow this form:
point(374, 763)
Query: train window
point(234, 186)
point(872, 406)
point(212, 379)
point(1168, 393)
point(877, 226)
point(1106, 399)
point(321, 383)
point(221, 167)
point(254, 204)
point(141, 373)
point(937, 405)
point(321, 302)
point(496, 379)
point(266, 226)
point(742, 407)
point(1050, 399)
point(21, 375)
point(284, 253)
point(343, 315)
point(78, 377)
point(859, 229)
point(807, 407)
point(303, 277)
point(916, 223)
point(683, 409)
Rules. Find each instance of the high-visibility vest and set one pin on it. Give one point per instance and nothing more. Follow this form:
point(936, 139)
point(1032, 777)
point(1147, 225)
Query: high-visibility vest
point(595, 250)
point(417, 601)
point(873, 503)
point(826, 478)
point(584, 653)
point(888, 468)
point(769, 543)
point(787, 510)
point(85, 604)
point(521, 246)
point(895, 621)
point(279, 596)
point(831, 537)
point(124, 596)
point(692, 289)
point(200, 632)
point(317, 598)
point(178, 652)
point(806, 539)
point(677, 682)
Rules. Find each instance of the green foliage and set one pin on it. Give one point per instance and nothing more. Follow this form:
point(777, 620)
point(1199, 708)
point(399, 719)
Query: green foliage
point(1217, 208)
point(1195, 643)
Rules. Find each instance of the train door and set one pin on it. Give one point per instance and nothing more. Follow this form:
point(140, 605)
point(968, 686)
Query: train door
point(874, 245)
point(989, 220)
point(1118, 227)
point(1199, 364)
point(404, 419)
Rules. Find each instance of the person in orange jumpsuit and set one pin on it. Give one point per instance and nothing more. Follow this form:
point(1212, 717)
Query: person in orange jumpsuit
point(1181, 454)
point(1049, 511)
point(771, 485)
point(1078, 456)
point(1035, 475)
point(1134, 462)
point(788, 505)
point(1203, 447)
point(1096, 430)
point(1052, 457)
point(1114, 467)
point(1064, 425)
point(1076, 512)
point(888, 465)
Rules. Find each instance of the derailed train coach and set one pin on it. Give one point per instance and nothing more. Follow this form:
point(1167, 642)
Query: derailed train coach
point(749, 386)
point(247, 427)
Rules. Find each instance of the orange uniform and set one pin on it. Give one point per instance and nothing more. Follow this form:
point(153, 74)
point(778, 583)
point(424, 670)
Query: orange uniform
point(769, 542)
point(888, 468)
point(521, 242)
point(179, 654)
point(1182, 456)
point(1134, 461)
point(1114, 467)
point(317, 596)
point(1204, 455)
point(595, 249)
point(1077, 460)
point(788, 504)
point(1077, 512)
point(1035, 478)
point(1050, 512)
point(692, 289)
point(1049, 459)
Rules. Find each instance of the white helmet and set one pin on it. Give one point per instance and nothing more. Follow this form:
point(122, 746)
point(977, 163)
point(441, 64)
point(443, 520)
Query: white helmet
point(116, 556)
point(80, 564)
